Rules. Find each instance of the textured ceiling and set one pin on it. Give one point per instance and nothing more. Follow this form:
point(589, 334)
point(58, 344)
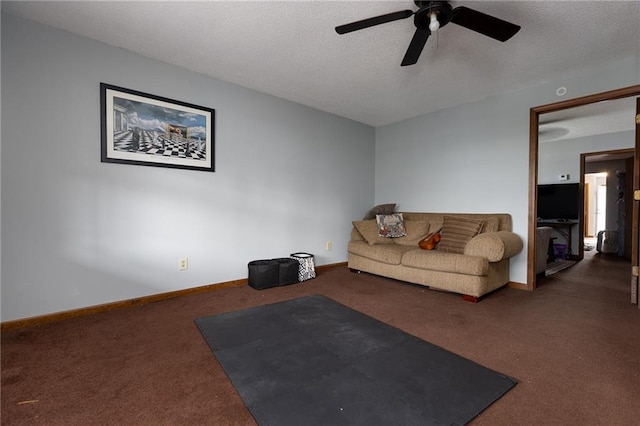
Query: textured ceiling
point(588, 120)
point(290, 49)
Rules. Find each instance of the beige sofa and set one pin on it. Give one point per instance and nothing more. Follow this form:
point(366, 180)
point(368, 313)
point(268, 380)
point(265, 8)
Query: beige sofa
point(482, 267)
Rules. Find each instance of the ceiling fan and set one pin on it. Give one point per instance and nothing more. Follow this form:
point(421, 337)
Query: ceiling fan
point(433, 15)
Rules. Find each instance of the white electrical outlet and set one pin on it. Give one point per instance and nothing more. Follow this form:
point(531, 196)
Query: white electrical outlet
point(183, 264)
point(329, 245)
point(563, 177)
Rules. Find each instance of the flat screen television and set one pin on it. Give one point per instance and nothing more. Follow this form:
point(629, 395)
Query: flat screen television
point(559, 201)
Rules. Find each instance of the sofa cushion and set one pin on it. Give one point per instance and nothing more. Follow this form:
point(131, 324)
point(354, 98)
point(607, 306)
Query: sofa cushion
point(456, 233)
point(435, 260)
point(415, 230)
point(380, 209)
point(390, 253)
point(356, 235)
point(435, 225)
point(368, 229)
point(391, 225)
point(491, 224)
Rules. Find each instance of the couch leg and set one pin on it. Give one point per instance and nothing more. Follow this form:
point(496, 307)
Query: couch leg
point(473, 299)
point(354, 271)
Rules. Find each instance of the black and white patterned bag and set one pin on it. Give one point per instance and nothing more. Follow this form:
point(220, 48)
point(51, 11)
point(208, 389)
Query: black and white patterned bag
point(307, 269)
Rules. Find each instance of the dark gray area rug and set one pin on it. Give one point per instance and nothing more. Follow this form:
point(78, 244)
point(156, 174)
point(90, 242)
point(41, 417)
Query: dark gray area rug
point(313, 361)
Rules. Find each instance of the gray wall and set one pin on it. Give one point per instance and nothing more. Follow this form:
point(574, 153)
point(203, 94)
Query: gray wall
point(475, 157)
point(563, 156)
point(77, 232)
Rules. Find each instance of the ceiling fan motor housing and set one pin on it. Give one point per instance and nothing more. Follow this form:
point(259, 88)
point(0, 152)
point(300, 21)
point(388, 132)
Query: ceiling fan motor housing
point(442, 9)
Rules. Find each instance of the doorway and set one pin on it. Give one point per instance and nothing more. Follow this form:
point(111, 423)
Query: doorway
point(595, 204)
point(534, 130)
point(608, 200)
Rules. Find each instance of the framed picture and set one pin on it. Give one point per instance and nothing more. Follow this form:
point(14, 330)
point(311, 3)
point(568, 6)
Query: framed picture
point(147, 130)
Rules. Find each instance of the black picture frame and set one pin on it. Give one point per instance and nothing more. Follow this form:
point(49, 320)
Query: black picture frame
point(148, 130)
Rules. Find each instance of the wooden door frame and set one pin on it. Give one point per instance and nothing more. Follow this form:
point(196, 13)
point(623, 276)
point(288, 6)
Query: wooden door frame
point(534, 118)
point(635, 226)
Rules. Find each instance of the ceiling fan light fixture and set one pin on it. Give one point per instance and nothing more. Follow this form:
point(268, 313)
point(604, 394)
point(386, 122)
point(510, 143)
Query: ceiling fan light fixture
point(428, 19)
point(434, 25)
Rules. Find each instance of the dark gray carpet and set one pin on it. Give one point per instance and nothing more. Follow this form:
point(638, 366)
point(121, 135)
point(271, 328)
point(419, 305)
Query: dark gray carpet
point(313, 361)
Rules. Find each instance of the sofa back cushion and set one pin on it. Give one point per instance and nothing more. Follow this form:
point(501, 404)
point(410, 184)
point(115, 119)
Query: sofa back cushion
point(415, 231)
point(369, 231)
point(491, 224)
point(504, 219)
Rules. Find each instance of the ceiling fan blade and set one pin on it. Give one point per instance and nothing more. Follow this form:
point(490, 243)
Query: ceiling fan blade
point(415, 47)
point(484, 24)
point(376, 20)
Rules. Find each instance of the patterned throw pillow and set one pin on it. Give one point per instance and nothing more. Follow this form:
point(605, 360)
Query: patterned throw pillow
point(456, 233)
point(391, 225)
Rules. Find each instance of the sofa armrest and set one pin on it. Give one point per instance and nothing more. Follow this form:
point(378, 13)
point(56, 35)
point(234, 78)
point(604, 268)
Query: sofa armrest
point(495, 246)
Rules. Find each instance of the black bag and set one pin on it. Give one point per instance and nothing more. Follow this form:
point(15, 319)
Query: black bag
point(272, 273)
point(288, 270)
point(263, 274)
